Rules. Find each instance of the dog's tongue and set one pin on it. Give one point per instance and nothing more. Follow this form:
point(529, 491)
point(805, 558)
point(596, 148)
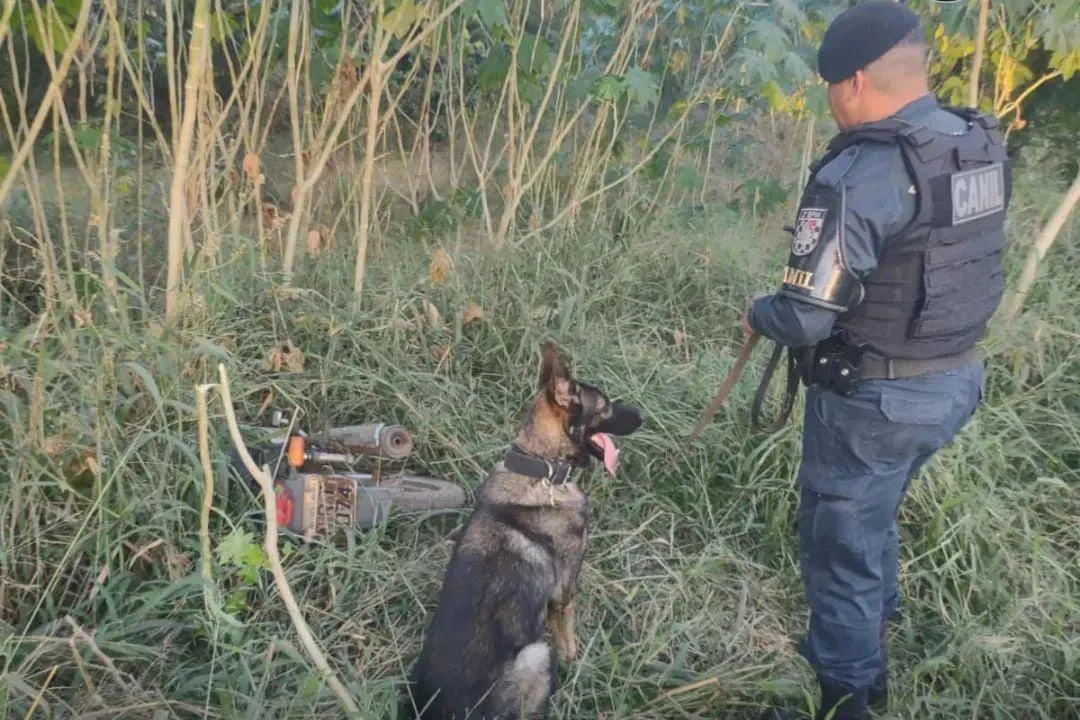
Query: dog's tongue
point(611, 453)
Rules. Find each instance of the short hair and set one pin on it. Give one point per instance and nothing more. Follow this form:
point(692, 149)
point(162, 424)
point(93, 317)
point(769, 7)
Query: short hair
point(905, 65)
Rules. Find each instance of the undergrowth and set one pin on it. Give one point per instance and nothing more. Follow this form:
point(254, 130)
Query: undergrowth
point(690, 594)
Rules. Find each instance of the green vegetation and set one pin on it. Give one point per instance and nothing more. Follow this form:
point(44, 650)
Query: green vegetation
point(622, 190)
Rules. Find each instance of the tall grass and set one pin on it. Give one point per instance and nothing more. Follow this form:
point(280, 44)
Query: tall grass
point(690, 595)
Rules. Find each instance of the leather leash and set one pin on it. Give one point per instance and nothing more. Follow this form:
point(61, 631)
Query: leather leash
point(725, 389)
point(759, 397)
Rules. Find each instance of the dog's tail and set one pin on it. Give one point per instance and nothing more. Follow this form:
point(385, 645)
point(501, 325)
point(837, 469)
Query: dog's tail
point(529, 682)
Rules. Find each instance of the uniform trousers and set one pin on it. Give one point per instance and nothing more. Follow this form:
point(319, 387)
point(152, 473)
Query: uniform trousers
point(859, 456)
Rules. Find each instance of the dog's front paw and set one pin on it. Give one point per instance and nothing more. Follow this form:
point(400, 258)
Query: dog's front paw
point(571, 649)
point(566, 647)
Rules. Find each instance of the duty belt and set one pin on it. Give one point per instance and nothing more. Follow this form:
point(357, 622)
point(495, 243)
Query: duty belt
point(877, 367)
point(870, 367)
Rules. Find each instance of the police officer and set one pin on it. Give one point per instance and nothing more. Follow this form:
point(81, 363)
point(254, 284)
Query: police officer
point(893, 273)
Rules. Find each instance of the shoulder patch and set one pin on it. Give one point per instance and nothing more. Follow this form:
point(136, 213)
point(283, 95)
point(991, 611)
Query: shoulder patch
point(977, 193)
point(808, 227)
point(833, 172)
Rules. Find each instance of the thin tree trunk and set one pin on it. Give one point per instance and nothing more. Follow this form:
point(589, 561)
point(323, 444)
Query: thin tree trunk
point(375, 89)
point(1038, 251)
point(178, 210)
point(977, 58)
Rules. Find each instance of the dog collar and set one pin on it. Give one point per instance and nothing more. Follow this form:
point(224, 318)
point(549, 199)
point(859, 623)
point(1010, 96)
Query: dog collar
point(556, 472)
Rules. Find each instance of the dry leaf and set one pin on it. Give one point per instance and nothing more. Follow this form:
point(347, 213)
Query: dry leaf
point(82, 317)
point(251, 169)
point(470, 313)
point(440, 352)
point(680, 339)
point(54, 445)
point(294, 359)
point(85, 462)
point(286, 356)
point(286, 293)
point(319, 239)
point(227, 340)
point(274, 217)
point(314, 243)
point(431, 313)
point(439, 268)
point(265, 403)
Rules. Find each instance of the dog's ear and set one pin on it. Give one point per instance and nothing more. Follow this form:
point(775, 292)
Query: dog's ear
point(553, 375)
point(551, 365)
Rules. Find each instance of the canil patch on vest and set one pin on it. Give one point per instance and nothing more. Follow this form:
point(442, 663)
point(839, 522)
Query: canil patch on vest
point(808, 226)
point(977, 193)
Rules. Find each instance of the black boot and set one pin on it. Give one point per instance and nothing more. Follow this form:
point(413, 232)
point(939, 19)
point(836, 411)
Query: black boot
point(878, 695)
point(848, 705)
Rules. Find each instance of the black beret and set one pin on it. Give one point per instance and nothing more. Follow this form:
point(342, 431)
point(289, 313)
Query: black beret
point(862, 34)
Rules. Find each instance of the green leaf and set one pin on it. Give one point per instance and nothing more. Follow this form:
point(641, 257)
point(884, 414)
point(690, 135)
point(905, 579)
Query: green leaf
point(1067, 63)
point(583, 85)
point(530, 92)
point(770, 37)
point(817, 100)
point(234, 546)
point(687, 177)
point(535, 56)
point(774, 96)
point(954, 89)
point(608, 88)
point(641, 86)
point(401, 19)
point(222, 25)
point(239, 549)
point(58, 33)
point(493, 14)
point(491, 73)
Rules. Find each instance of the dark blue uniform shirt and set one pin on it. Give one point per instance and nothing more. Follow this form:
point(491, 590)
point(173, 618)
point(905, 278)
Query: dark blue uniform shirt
point(880, 202)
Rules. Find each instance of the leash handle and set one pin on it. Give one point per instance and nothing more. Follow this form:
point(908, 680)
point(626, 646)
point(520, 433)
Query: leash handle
point(725, 389)
point(789, 392)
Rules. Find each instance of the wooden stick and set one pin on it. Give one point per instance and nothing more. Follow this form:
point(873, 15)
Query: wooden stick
point(1038, 251)
point(274, 557)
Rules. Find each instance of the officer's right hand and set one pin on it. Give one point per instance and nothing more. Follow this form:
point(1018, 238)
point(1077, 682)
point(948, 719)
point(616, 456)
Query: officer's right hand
point(746, 313)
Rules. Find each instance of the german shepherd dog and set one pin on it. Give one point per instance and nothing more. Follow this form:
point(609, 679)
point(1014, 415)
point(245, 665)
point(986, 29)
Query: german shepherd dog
point(515, 568)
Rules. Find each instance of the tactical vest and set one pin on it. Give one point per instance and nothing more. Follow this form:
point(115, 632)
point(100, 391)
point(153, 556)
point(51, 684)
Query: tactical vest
point(939, 280)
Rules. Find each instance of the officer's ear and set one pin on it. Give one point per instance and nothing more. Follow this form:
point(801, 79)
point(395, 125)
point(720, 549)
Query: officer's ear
point(857, 84)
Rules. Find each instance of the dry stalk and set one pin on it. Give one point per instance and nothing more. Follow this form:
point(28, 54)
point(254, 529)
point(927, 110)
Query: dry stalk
point(274, 557)
point(977, 58)
point(518, 188)
point(375, 81)
point(207, 499)
point(604, 187)
point(41, 692)
point(178, 225)
point(326, 142)
point(52, 95)
point(1038, 251)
